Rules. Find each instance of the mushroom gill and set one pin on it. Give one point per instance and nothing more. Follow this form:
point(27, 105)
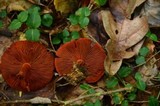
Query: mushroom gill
point(81, 56)
point(27, 66)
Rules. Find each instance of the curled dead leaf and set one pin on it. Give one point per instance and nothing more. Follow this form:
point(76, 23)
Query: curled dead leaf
point(138, 46)
point(111, 67)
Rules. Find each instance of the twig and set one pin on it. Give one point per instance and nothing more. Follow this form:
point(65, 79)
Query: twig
point(147, 92)
point(15, 101)
point(139, 102)
point(4, 95)
point(58, 101)
point(50, 40)
point(95, 94)
point(157, 60)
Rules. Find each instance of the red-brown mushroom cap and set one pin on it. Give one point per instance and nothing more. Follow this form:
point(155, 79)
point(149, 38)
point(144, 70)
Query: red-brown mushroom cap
point(27, 66)
point(86, 53)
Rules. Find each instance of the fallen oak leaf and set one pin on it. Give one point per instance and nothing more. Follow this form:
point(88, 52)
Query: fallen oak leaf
point(123, 35)
point(116, 51)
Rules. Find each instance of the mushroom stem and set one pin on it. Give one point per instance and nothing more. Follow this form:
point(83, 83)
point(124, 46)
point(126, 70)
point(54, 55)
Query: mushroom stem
point(23, 71)
point(80, 62)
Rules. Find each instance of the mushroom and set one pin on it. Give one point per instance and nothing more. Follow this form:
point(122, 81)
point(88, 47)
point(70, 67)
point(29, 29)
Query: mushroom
point(27, 66)
point(80, 59)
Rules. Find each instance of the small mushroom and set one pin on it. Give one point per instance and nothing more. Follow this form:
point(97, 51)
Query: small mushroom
point(80, 56)
point(27, 66)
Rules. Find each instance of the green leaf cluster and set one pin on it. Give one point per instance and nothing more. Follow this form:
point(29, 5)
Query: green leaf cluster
point(117, 98)
point(17, 23)
point(90, 90)
point(124, 71)
point(130, 96)
point(33, 20)
point(65, 36)
point(80, 17)
point(47, 20)
point(140, 84)
point(152, 36)
point(101, 2)
point(3, 14)
point(1, 24)
point(140, 59)
point(111, 82)
point(153, 101)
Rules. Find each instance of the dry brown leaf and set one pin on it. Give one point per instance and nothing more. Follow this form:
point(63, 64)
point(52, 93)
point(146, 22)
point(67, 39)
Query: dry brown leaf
point(40, 100)
point(37, 2)
point(152, 10)
point(1, 79)
point(124, 8)
point(17, 5)
point(5, 42)
point(149, 71)
point(112, 66)
point(123, 35)
point(65, 6)
point(137, 47)
point(95, 27)
point(151, 46)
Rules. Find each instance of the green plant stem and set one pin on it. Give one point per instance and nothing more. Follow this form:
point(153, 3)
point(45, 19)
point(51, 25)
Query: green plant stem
point(158, 95)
